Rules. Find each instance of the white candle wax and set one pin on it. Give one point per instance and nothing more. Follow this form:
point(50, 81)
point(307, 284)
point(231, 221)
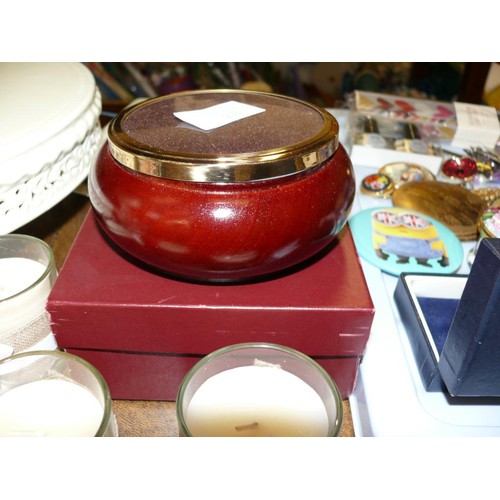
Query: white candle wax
point(50, 407)
point(256, 401)
point(17, 274)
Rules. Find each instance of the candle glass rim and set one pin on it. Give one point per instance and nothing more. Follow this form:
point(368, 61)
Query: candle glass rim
point(337, 424)
point(48, 267)
point(107, 413)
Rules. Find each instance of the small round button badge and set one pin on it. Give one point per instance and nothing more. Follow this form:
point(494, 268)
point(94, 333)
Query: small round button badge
point(377, 185)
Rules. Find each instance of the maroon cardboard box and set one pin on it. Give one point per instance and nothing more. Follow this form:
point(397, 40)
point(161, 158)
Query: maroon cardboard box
point(143, 330)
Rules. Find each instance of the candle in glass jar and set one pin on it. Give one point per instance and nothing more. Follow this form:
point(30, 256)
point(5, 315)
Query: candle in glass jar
point(18, 274)
point(49, 407)
point(256, 400)
point(25, 285)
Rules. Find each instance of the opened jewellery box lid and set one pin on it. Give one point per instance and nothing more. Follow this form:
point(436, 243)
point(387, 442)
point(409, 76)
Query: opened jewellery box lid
point(453, 325)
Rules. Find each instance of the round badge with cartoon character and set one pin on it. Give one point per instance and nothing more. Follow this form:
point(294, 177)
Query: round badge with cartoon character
point(399, 240)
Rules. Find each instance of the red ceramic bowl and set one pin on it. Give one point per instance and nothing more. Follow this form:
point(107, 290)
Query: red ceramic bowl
point(238, 202)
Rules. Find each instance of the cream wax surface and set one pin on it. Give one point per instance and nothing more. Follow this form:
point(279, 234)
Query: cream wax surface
point(50, 407)
point(16, 275)
point(256, 401)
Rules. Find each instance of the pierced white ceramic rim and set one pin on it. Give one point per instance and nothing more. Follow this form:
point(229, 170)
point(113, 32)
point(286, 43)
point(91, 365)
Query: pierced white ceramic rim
point(51, 143)
point(33, 196)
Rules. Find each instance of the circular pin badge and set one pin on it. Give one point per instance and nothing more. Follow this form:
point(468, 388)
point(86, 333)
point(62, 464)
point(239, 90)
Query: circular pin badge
point(398, 240)
point(489, 225)
point(418, 146)
point(377, 185)
point(373, 140)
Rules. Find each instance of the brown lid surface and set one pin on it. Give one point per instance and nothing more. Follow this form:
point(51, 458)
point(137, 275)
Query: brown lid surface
point(287, 137)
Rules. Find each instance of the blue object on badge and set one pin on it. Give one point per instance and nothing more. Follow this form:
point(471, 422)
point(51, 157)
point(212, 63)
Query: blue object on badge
point(399, 240)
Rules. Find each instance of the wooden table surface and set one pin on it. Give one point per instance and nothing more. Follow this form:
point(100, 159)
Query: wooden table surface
point(59, 227)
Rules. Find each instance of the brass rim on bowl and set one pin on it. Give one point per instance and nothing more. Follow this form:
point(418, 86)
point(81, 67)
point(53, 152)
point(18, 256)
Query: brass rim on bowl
point(244, 166)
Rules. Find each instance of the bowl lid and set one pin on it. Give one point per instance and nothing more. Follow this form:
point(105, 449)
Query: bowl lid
point(252, 136)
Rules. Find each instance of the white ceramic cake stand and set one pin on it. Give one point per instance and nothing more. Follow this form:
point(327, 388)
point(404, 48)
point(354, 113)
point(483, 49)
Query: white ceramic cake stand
point(49, 136)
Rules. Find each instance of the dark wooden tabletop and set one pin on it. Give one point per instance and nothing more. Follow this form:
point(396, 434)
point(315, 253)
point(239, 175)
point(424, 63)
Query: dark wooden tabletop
point(59, 227)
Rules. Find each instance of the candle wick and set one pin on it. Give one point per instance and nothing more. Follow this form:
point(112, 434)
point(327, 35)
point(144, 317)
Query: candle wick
point(246, 427)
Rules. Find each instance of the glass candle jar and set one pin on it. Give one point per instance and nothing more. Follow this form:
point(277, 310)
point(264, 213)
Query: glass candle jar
point(27, 274)
point(258, 389)
point(53, 393)
point(243, 200)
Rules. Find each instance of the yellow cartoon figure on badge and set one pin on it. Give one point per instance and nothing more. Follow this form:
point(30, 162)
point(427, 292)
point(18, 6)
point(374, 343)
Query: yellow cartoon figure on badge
point(407, 235)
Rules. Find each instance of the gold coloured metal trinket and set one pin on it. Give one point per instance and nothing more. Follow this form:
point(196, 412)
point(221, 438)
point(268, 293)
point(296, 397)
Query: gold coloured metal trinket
point(454, 206)
point(402, 172)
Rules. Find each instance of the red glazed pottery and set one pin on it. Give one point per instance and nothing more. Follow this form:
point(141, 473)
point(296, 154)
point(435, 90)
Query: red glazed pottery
point(237, 202)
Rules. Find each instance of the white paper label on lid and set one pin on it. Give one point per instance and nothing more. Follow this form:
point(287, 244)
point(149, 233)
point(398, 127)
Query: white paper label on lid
point(218, 115)
point(477, 125)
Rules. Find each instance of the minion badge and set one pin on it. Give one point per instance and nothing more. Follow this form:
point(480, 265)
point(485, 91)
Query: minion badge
point(398, 240)
point(407, 235)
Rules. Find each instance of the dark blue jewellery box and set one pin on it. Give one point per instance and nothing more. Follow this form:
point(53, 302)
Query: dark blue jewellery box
point(453, 325)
